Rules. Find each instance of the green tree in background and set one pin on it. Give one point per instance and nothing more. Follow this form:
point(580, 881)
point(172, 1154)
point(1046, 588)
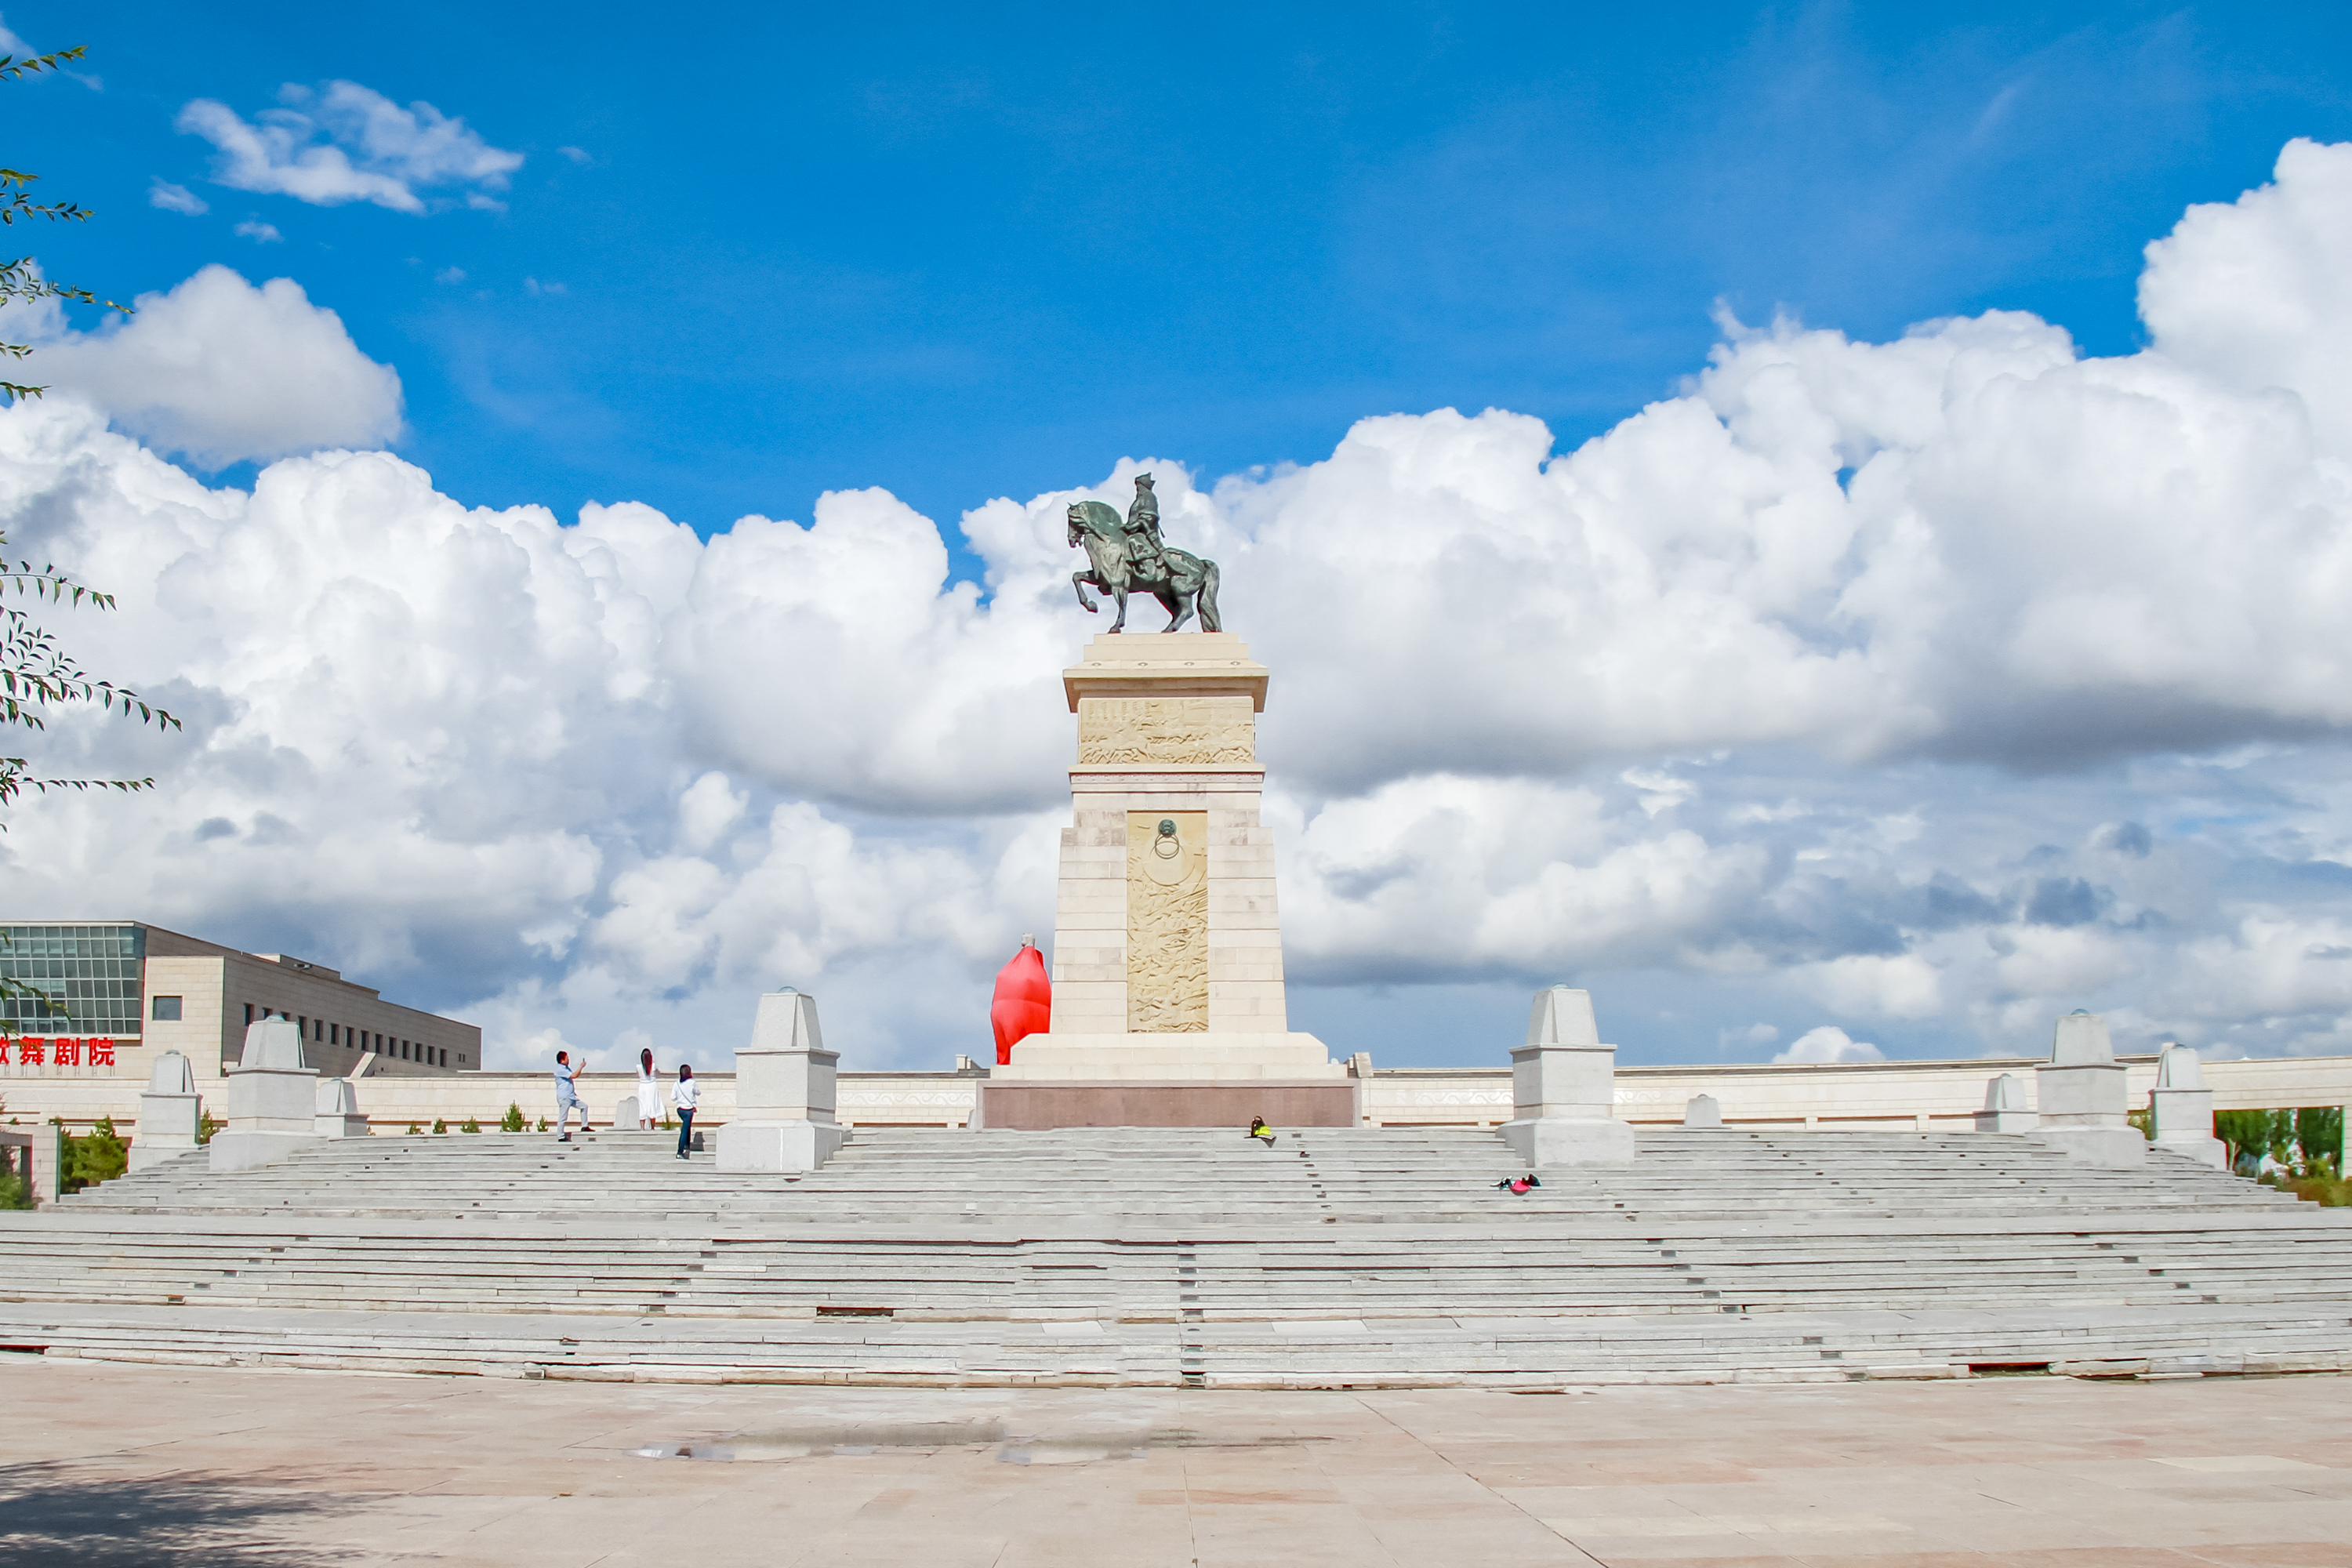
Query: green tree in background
point(2251, 1134)
point(22, 279)
point(2319, 1135)
point(512, 1120)
point(99, 1155)
point(36, 674)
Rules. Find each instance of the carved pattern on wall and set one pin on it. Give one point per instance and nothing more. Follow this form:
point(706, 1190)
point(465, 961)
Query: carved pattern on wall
point(1146, 730)
point(1167, 924)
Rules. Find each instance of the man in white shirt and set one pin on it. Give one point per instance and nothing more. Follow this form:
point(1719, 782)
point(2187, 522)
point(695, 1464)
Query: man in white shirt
point(567, 1100)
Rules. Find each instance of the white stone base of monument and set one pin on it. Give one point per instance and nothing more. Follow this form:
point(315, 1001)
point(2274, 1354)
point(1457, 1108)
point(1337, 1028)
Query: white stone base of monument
point(1557, 1140)
point(2206, 1151)
point(2181, 1107)
point(2098, 1145)
point(336, 1111)
point(270, 1101)
point(778, 1145)
point(1220, 1056)
point(1702, 1114)
point(628, 1116)
point(244, 1151)
point(2005, 1109)
point(167, 1127)
point(1563, 1087)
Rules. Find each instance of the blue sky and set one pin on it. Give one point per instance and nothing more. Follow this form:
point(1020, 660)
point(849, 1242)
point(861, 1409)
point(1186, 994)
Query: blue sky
point(1842, 682)
point(961, 254)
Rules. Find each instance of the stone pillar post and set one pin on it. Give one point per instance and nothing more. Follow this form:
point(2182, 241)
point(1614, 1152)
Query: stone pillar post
point(171, 1114)
point(2182, 1109)
point(784, 1093)
point(47, 1161)
point(2082, 1096)
point(1702, 1114)
point(1564, 1088)
point(270, 1101)
point(336, 1112)
point(2005, 1109)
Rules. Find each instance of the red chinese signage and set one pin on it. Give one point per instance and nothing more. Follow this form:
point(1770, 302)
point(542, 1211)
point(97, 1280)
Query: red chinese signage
point(34, 1052)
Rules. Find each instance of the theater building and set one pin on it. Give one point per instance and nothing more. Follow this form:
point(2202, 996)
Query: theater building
point(131, 991)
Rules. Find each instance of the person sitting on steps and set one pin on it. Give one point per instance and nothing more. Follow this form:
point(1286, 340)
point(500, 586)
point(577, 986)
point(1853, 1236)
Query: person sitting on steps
point(1258, 1129)
point(1518, 1184)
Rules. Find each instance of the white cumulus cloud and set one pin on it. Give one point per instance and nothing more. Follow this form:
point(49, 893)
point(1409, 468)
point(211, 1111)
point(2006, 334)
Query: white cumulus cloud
point(222, 371)
point(344, 143)
point(1880, 697)
point(1829, 1044)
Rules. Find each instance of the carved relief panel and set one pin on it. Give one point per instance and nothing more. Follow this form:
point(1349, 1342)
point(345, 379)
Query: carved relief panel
point(1146, 730)
point(1168, 921)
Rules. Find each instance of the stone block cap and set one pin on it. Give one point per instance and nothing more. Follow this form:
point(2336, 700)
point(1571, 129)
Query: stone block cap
point(786, 1022)
point(2005, 1093)
point(275, 1044)
point(2179, 1068)
point(336, 1097)
point(2082, 1042)
point(170, 1075)
point(1165, 664)
point(1563, 1018)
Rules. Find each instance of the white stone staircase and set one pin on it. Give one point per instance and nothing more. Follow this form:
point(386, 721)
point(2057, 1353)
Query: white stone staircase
point(1339, 1256)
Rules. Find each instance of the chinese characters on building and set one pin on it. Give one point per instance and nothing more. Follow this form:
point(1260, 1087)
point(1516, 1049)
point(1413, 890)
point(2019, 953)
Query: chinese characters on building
point(64, 1053)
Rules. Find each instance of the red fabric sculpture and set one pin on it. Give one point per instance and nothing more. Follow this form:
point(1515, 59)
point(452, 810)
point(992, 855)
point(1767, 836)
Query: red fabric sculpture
point(1024, 1003)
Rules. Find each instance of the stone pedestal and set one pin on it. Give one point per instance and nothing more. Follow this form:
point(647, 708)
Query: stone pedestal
point(2181, 1107)
point(336, 1111)
point(1564, 1088)
point(2081, 1096)
point(1702, 1114)
point(270, 1101)
point(2005, 1109)
point(45, 1152)
point(784, 1093)
point(629, 1116)
point(1167, 960)
point(171, 1114)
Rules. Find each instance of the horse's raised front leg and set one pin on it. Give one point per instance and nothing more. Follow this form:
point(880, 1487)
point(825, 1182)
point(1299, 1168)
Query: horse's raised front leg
point(1079, 580)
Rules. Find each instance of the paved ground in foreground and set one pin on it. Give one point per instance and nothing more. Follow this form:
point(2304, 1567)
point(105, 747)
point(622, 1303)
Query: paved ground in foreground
point(111, 1464)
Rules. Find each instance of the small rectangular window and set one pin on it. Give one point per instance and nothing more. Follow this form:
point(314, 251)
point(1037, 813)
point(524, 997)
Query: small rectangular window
point(249, 1012)
point(164, 1009)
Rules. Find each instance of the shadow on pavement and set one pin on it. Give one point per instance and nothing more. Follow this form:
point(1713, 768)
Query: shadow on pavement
point(53, 1513)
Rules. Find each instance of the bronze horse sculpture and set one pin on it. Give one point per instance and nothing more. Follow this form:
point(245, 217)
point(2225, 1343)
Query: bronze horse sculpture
point(1127, 556)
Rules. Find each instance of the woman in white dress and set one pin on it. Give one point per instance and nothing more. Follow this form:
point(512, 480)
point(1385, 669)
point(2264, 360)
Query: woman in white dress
point(649, 1098)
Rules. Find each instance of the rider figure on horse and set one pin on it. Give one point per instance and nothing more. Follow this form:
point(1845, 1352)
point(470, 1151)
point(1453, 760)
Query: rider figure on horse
point(1143, 550)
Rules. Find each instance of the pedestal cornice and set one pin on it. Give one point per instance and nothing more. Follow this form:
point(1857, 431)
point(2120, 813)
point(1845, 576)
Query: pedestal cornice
point(1194, 664)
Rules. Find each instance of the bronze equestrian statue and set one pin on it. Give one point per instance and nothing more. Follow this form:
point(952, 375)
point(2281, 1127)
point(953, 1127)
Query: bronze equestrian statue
point(1129, 555)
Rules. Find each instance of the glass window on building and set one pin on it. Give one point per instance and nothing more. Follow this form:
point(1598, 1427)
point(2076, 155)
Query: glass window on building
point(164, 1009)
point(87, 978)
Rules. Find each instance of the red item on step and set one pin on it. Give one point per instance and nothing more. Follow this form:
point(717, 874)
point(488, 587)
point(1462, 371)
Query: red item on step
point(1024, 1004)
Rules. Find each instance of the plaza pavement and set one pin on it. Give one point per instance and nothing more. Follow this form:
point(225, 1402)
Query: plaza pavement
point(109, 1463)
